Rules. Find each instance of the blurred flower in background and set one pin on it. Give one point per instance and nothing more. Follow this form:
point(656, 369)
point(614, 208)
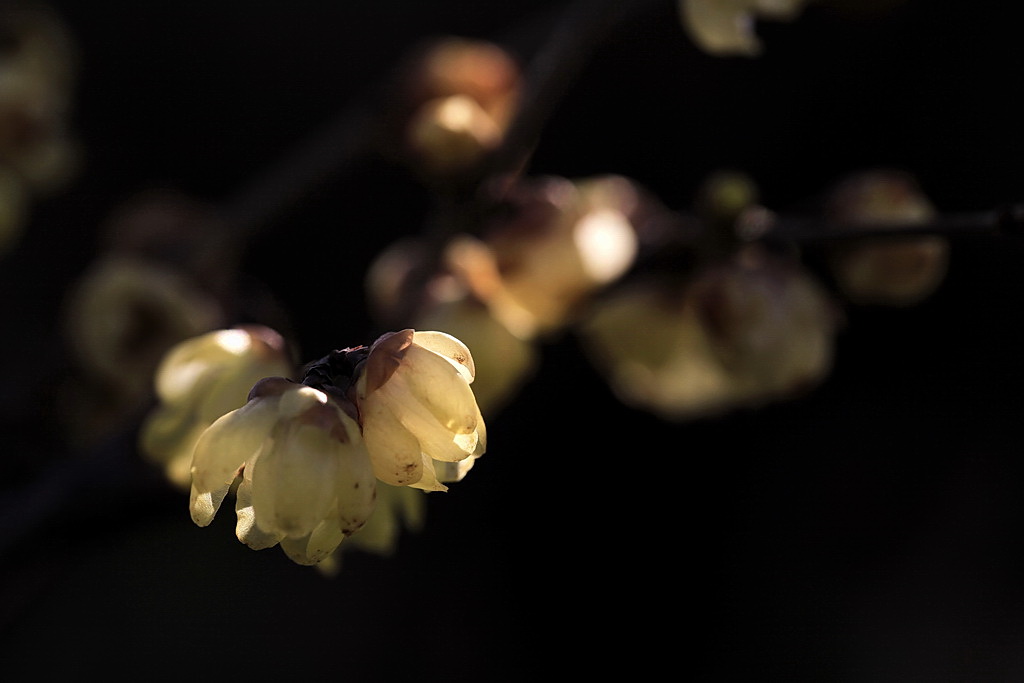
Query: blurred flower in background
point(892, 271)
point(38, 153)
point(734, 334)
point(453, 101)
point(529, 275)
point(726, 27)
point(198, 381)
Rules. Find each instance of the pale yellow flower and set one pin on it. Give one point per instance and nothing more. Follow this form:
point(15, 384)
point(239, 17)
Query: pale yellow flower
point(741, 333)
point(198, 381)
point(421, 423)
point(125, 313)
point(564, 241)
point(455, 100)
point(305, 477)
point(464, 297)
point(890, 271)
point(726, 27)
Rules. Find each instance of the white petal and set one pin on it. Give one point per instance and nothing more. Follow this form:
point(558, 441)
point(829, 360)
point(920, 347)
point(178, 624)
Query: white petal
point(447, 346)
point(229, 442)
point(203, 505)
point(293, 480)
point(356, 484)
point(429, 481)
point(394, 451)
point(445, 394)
point(245, 528)
point(434, 438)
point(315, 547)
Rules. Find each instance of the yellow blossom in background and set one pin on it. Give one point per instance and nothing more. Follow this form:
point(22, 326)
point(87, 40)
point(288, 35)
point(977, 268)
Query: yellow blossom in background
point(37, 68)
point(741, 333)
point(198, 381)
point(890, 271)
point(564, 241)
point(420, 419)
point(648, 342)
point(464, 297)
point(726, 27)
point(305, 478)
point(454, 102)
point(771, 324)
point(125, 313)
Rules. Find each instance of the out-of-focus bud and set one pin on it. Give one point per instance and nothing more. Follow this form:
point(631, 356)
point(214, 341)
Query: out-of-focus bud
point(650, 345)
point(420, 419)
point(738, 334)
point(37, 65)
point(452, 133)
point(198, 381)
point(563, 242)
point(726, 27)
point(889, 271)
point(771, 325)
point(304, 475)
point(454, 102)
point(463, 295)
point(725, 195)
point(124, 314)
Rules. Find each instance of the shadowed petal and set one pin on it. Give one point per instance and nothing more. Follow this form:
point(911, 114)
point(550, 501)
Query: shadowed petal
point(394, 450)
point(293, 480)
point(450, 348)
point(229, 442)
point(245, 528)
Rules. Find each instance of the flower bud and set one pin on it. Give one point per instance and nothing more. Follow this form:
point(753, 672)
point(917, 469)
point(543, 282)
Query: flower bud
point(562, 243)
point(736, 334)
point(123, 316)
point(37, 63)
point(770, 324)
point(454, 100)
point(890, 271)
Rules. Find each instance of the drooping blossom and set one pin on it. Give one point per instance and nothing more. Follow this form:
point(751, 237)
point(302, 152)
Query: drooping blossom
point(198, 381)
point(304, 475)
point(421, 422)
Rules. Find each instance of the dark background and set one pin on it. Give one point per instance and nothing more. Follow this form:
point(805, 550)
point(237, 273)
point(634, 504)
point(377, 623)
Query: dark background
point(868, 532)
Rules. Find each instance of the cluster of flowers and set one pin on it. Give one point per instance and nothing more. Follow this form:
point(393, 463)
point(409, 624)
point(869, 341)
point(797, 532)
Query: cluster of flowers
point(733, 321)
point(37, 74)
point(347, 449)
point(687, 313)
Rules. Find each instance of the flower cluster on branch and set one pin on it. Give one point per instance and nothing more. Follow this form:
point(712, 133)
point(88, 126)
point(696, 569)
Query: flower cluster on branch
point(305, 458)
